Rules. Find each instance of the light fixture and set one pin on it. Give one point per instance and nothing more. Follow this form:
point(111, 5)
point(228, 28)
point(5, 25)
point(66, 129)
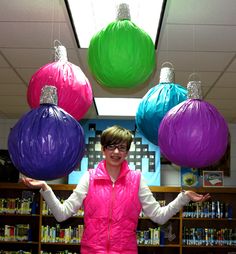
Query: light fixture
point(116, 106)
point(90, 16)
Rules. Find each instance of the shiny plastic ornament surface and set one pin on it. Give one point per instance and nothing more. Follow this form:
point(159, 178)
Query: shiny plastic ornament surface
point(121, 55)
point(193, 134)
point(46, 143)
point(73, 88)
point(154, 106)
point(157, 102)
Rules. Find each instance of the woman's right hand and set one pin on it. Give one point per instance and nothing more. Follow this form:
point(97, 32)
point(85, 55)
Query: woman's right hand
point(34, 184)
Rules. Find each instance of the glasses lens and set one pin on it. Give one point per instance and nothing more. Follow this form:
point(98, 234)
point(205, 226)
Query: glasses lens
point(121, 148)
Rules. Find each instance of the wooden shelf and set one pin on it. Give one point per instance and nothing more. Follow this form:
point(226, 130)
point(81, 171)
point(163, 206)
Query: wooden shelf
point(162, 193)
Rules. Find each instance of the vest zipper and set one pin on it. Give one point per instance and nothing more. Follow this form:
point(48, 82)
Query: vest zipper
point(110, 217)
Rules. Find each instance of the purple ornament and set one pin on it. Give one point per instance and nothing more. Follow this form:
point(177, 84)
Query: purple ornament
point(193, 134)
point(46, 143)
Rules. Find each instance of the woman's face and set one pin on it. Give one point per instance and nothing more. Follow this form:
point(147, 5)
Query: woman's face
point(115, 154)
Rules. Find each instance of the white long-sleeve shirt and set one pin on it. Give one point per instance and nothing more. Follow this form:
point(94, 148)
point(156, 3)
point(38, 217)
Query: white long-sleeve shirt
point(150, 206)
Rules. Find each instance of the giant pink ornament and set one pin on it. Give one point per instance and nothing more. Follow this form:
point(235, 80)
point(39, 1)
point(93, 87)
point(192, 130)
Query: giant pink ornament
point(193, 133)
point(74, 90)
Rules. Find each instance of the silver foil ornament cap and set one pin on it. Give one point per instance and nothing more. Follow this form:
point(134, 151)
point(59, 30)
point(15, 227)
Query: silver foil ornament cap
point(49, 95)
point(60, 53)
point(123, 12)
point(194, 90)
point(167, 75)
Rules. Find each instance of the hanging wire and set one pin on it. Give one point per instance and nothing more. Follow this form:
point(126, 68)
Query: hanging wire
point(52, 20)
point(167, 42)
point(194, 49)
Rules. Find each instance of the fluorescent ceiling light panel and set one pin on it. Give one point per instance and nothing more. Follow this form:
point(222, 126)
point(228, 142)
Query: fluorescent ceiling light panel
point(117, 106)
point(90, 16)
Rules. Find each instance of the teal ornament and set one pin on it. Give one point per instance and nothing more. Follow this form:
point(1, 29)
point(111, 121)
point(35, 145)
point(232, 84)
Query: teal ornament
point(157, 102)
point(121, 55)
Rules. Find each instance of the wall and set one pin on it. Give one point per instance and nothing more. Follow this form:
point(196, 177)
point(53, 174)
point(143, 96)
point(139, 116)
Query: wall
point(169, 174)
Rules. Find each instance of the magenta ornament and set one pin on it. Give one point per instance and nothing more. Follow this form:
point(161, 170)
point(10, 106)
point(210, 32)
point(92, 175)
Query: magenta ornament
point(73, 88)
point(193, 134)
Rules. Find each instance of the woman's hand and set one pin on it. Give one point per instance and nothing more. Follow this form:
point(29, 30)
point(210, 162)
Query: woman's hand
point(35, 184)
point(195, 197)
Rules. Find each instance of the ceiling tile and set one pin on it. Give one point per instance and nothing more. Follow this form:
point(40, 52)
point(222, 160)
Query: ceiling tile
point(198, 38)
point(215, 38)
point(18, 109)
point(232, 67)
point(192, 12)
point(13, 89)
point(8, 76)
point(207, 78)
point(34, 58)
point(228, 79)
point(12, 100)
point(223, 103)
point(222, 93)
point(176, 37)
point(28, 10)
point(3, 62)
point(26, 74)
point(196, 61)
point(30, 35)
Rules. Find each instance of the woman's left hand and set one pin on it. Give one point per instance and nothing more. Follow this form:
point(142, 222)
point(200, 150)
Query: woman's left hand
point(195, 197)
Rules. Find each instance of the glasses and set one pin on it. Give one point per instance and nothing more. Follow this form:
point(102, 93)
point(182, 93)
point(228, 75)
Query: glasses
point(121, 148)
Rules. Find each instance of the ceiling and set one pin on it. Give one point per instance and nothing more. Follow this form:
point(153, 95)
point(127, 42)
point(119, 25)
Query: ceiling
point(196, 37)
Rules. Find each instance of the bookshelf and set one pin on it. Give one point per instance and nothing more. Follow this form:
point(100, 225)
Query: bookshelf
point(192, 230)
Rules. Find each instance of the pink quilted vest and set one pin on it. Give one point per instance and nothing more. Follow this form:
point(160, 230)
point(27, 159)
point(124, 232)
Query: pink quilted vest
point(111, 212)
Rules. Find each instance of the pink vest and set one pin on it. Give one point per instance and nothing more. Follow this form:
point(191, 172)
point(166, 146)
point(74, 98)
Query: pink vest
point(111, 212)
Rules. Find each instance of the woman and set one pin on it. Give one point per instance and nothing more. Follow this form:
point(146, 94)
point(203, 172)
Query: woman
point(113, 196)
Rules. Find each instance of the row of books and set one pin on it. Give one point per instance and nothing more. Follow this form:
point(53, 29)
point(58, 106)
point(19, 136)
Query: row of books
point(61, 235)
point(150, 236)
point(14, 252)
point(46, 210)
point(18, 232)
point(209, 236)
point(15, 206)
point(212, 209)
point(58, 252)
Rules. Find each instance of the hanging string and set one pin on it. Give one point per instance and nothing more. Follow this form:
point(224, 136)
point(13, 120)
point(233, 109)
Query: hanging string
point(194, 50)
point(167, 42)
point(52, 20)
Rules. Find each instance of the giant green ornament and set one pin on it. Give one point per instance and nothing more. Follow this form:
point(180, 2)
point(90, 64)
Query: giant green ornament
point(121, 55)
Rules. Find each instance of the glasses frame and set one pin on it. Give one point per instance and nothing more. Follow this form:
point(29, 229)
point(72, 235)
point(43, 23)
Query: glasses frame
point(113, 147)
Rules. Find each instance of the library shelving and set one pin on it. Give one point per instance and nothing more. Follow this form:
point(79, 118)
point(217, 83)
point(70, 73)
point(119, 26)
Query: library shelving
point(27, 226)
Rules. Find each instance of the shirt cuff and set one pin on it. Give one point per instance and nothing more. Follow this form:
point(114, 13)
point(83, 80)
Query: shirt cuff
point(185, 197)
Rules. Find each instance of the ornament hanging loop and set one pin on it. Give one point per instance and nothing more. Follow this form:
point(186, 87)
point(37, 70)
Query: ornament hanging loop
point(167, 74)
point(194, 77)
point(167, 64)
